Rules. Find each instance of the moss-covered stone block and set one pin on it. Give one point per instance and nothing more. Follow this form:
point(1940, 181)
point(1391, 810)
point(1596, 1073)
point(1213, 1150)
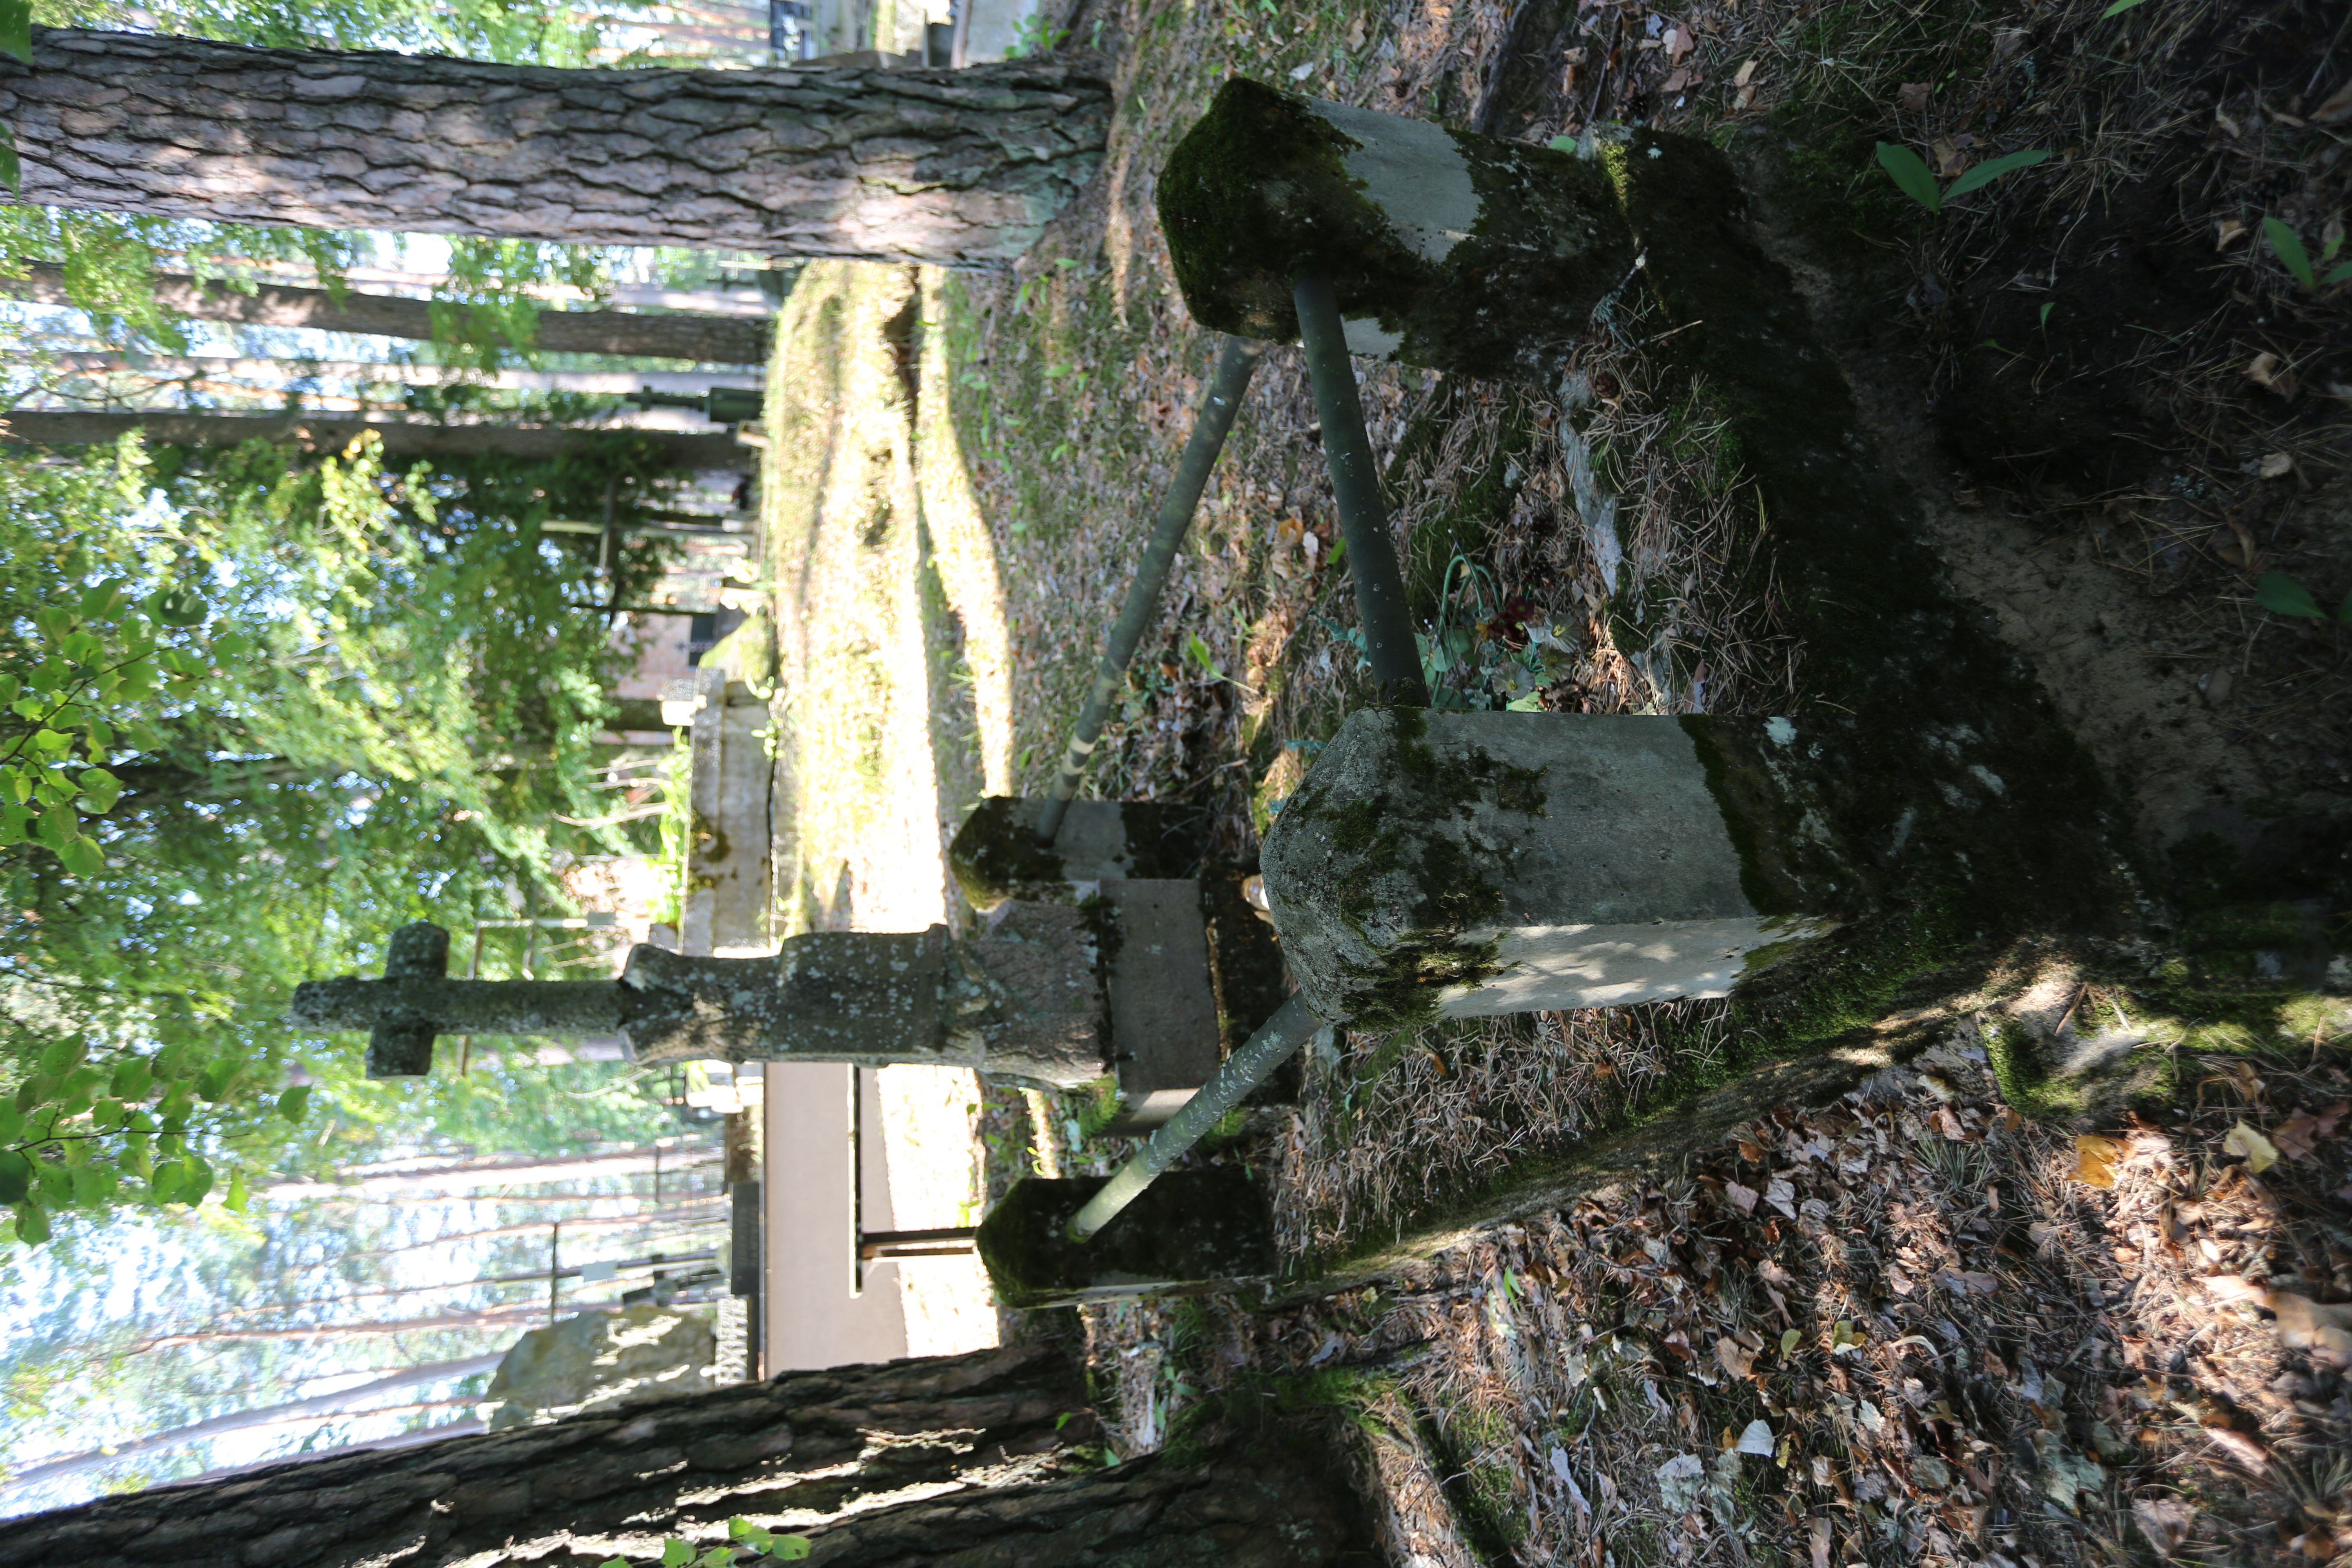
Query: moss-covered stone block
point(1461, 865)
point(1188, 1232)
point(1444, 248)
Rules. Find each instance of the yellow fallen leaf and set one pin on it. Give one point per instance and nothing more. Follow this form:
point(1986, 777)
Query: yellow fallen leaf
point(2322, 1329)
point(2259, 1153)
point(2095, 1159)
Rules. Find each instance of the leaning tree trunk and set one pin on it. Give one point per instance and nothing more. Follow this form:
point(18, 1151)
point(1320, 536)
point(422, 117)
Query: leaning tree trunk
point(974, 1457)
point(705, 339)
point(333, 432)
point(957, 167)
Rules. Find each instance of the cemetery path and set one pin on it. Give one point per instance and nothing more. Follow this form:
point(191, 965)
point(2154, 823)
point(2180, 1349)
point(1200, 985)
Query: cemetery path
point(890, 639)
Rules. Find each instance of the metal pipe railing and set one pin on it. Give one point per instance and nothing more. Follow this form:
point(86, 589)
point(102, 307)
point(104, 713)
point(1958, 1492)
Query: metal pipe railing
point(1236, 362)
point(1381, 604)
point(1276, 1041)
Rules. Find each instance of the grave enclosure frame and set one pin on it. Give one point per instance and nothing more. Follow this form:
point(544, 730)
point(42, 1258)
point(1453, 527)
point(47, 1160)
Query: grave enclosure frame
point(1923, 804)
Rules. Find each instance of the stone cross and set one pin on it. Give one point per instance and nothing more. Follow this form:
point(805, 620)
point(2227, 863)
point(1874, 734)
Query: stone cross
point(1022, 1000)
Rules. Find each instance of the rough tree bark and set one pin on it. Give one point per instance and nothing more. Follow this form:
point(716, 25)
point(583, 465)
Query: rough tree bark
point(961, 168)
point(332, 432)
point(707, 340)
point(968, 1458)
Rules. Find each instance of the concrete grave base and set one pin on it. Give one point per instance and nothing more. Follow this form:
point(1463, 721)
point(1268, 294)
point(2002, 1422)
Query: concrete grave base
point(1188, 1232)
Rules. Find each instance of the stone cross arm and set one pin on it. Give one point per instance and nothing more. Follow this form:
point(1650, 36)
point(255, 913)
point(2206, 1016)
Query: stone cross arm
point(1023, 1001)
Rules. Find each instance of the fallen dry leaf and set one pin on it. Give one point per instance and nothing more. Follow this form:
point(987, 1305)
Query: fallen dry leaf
point(2259, 1153)
point(1746, 74)
point(2241, 1448)
point(2323, 1328)
point(1757, 1438)
point(2227, 229)
point(1745, 1197)
point(2295, 1135)
point(1912, 97)
point(2232, 1288)
point(2095, 1158)
point(1735, 1357)
point(1781, 1196)
point(2277, 466)
point(1950, 161)
point(2336, 110)
point(2166, 1521)
point(2269, 371)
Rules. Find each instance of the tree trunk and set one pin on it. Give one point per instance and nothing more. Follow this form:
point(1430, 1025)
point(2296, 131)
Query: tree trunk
point(970, 1459)
point(961, 168)
point(332, 432)
point(707, 340)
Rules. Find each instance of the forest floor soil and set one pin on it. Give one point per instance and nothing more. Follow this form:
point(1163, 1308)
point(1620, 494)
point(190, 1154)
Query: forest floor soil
point(1946, 1318)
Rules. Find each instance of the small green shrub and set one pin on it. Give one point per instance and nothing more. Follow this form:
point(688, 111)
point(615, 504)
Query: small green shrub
point(1914, 179)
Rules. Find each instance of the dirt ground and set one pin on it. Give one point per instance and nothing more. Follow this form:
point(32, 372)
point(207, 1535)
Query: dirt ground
point(1958, 1314)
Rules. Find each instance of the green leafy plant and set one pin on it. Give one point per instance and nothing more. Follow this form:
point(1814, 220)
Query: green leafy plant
point(1032, 35)
point(746, 1541)
point(16, 38)
point(1914, 179)
point(2287, 246)
point(2278, 592)
point(2117, 9)
point(88, 682)
point(95, 1135)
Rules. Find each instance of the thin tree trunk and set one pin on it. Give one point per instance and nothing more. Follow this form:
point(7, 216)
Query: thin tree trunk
point(961, 168)
point(261, 1415)
point(524, 1314)
point(971, 1459)
point(270, 377)
point(687, 1218)
point(707, 340)
point(501, 1170)
point(332, 432)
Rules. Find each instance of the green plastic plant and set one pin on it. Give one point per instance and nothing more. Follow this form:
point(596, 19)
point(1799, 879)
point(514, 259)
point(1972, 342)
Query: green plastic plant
point(2277, 592)
point(2287, 246)
point(1914, 179)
